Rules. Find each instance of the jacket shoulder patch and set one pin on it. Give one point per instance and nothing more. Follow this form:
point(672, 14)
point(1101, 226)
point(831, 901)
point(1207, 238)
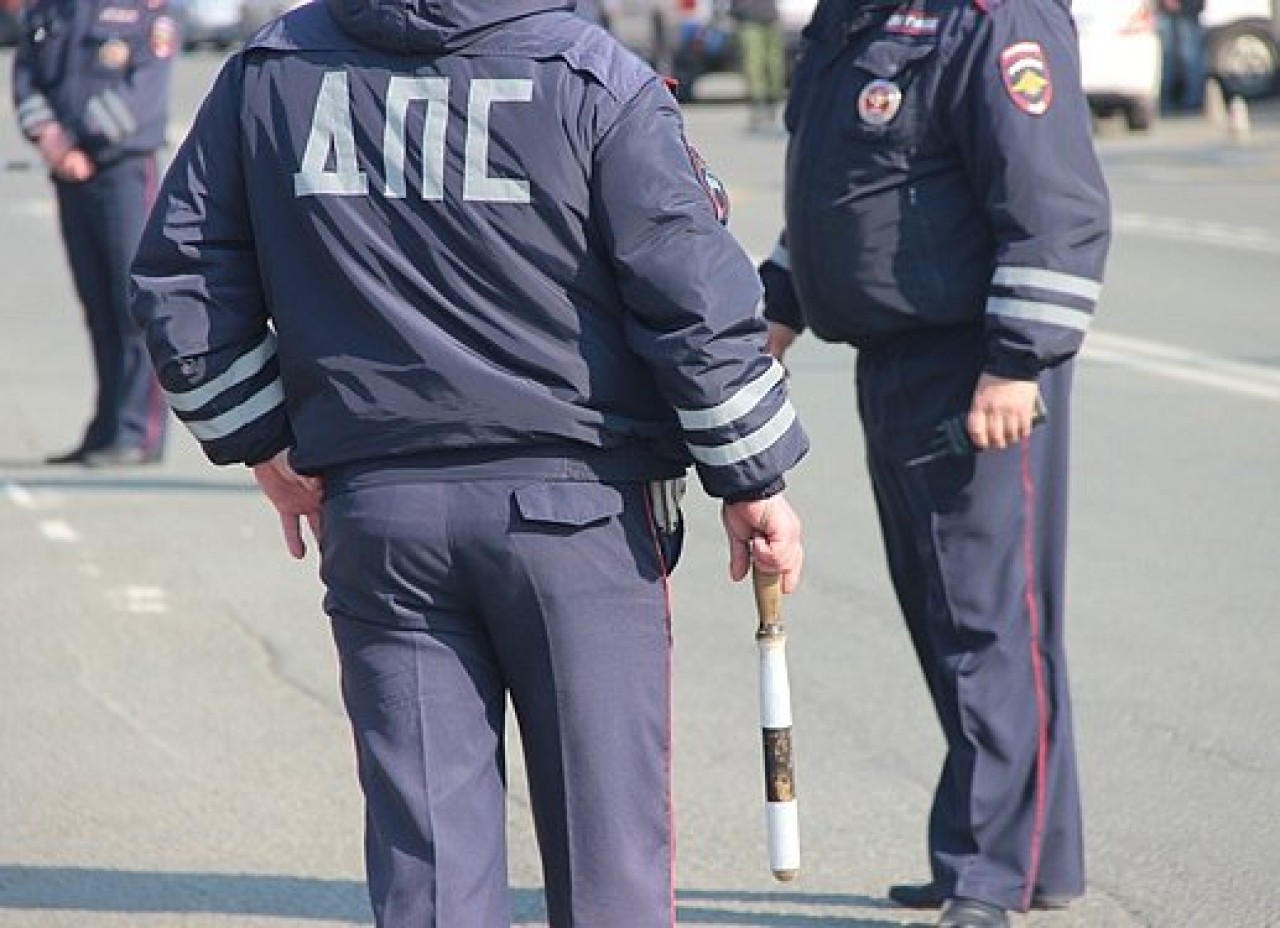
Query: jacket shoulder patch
point(1025, 72)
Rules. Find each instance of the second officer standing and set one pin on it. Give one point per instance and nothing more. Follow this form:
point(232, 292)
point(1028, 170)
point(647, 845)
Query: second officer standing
point(91, 88)
point(947, 216)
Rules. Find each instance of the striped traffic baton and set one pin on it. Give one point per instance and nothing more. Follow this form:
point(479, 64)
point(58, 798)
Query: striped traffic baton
point(782, 821)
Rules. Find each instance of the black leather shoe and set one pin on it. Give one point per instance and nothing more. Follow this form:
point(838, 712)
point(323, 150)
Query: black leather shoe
point(71, 457)
point(970, 913)
point(120, 457)
point(931, 896)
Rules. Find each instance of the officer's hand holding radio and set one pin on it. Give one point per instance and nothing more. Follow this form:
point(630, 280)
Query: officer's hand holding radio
point(1002, 413)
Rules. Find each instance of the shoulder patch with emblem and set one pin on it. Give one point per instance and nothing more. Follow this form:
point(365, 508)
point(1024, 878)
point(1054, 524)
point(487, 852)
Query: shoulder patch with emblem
point(715, 189)
point(1025, 73)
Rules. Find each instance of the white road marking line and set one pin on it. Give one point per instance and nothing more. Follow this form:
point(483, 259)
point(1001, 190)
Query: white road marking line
point(57, 530)
point(139, 600)
point(1172, 363)
point(18, 495)
point(1243, 238)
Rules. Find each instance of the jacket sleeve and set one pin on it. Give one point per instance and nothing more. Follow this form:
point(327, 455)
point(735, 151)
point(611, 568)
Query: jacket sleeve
point(33, 106)
point(691, 295)
point(1022, 122)
point(198, 297)
point(135, 106)
point(780, 302)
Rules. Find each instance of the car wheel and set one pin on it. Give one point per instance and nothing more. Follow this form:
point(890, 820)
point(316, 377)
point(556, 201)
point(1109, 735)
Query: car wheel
point(1140, 115)
point(1245, 59)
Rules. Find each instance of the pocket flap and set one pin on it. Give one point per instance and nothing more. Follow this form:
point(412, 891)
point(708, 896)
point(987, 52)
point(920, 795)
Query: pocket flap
point(886, 58)
point(575, 504)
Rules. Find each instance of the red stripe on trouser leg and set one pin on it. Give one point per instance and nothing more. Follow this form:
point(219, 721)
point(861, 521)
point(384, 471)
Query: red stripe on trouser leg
point(1037, 671)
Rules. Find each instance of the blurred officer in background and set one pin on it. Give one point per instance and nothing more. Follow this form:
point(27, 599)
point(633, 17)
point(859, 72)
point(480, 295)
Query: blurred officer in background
point(447, 276)
point(946, 216)
point(91, 88)
point(764, 60)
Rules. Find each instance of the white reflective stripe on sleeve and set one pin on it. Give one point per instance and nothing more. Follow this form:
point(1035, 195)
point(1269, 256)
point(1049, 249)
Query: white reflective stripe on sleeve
point(101, 119)
point(257, 406)
point(1031, 311)
point(1070, 284)
point(736, 406)
point(759, 440)
point(244, 367)
point(120, 110)
point(35, 111)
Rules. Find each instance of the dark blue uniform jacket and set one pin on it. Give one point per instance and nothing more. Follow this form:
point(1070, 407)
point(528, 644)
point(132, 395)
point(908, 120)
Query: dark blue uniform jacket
point(439, 230)
point(98, 68)
point(941, 173)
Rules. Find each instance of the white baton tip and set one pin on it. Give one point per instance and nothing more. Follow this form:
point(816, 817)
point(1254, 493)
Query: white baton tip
point(783, 823)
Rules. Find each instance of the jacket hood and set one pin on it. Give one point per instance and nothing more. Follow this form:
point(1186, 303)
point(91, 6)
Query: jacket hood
point(425, 26)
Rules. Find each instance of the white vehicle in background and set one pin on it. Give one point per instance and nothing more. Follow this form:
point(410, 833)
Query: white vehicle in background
point(1244, 45)
point(1120, 59)
point(219, 23)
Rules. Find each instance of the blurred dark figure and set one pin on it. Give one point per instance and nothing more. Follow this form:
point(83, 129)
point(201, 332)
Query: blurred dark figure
point(764, 60)
point(1182, 39)
point(592, 11)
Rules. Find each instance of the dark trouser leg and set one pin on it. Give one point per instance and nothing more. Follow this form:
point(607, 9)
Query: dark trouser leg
point(578, 603)
point(101, 223)
point(976, 552)
point(446, 596)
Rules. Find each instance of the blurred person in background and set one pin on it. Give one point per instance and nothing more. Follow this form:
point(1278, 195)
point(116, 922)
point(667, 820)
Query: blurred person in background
point(91, 88)
point(592, 11)
point(1185, 55)
point(762, 48)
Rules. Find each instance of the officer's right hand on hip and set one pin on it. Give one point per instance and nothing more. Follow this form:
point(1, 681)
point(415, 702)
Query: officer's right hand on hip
point(294, 496)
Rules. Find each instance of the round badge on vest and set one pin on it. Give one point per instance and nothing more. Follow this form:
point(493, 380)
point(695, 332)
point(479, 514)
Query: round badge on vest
point(114, 54)
point(879, 102)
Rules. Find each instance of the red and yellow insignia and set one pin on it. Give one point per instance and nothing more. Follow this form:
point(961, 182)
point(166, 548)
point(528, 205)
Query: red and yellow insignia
point(1026, 76)
point(879, 102)
point(164, 37)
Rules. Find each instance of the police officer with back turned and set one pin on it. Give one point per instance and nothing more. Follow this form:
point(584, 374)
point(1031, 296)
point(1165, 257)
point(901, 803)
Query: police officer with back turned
point(447, 276)
point(946, 215)
point(91, 88)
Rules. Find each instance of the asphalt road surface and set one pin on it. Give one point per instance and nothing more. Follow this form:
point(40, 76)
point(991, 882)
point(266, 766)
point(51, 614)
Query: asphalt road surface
point(172, 751)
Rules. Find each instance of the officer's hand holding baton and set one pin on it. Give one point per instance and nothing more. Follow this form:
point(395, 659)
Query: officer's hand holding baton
point(765, 534)
point(294, 496)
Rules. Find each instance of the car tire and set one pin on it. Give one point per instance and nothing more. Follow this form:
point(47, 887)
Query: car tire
point(1245, 59)
point(1140, 115)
